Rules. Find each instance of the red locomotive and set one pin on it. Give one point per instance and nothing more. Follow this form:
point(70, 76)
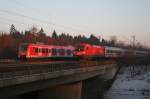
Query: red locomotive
point(44, 51)
point(87, 50)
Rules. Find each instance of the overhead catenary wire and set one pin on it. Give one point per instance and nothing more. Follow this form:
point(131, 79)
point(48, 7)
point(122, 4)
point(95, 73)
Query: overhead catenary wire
point(25, 6)
point(39, 20)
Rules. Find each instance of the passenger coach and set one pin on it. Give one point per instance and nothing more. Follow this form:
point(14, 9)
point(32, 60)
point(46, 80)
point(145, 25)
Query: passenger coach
point(113, 52)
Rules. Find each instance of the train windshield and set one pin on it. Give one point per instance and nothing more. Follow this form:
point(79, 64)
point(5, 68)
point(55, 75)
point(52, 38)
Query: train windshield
point(79, 48)
point(23, 47)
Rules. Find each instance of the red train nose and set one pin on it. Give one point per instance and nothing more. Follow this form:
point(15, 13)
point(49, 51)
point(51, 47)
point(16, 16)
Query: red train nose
point(79, 53)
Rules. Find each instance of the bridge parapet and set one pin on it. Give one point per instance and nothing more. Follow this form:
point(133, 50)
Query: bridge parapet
point(26, 74)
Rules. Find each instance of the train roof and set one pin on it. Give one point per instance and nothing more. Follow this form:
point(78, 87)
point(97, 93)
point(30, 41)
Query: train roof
point(44, 45)
point(113, 48)
point(85, 44)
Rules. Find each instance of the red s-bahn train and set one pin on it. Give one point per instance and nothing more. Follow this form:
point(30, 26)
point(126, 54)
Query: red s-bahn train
point(30, 50)
point(83, 50)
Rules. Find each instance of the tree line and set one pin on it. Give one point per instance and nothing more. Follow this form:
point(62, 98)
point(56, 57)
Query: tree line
point(9, 42)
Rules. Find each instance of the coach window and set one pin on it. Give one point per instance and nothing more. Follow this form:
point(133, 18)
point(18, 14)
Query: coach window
point(43, 50)
point(109, 51)
point(23, 47)
point(39, 50)
point(46, 50)
point(36, 50)
point(61, 50)
point(118, 52)
point(49, 50)
point(68, 52)
point(54, 51)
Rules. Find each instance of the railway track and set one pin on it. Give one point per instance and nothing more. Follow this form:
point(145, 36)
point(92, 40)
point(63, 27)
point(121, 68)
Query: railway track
point(32, 61)
point(22, 66)
point(35, 66)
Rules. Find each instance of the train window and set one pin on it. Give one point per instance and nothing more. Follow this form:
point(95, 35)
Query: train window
point(36, 50)
point(54, 51)
point(79, 48)
point(23, 47)
point(49, 50)
point(118, 52)
point(109, 51)
point(114, 51)
point(46, 50)
point(61, 51)
point(69, 52)
point(43, 50)
point(39, 50)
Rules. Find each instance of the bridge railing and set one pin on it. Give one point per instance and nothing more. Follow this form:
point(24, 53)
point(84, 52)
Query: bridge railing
point(26, 69)
point(11, 72)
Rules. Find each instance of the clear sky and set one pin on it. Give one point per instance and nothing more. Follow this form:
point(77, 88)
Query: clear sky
point(122, 18)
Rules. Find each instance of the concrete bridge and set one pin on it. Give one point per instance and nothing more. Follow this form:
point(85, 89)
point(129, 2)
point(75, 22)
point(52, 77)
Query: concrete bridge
point(57, 81)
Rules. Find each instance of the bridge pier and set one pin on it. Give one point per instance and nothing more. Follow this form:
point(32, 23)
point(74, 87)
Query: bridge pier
point(78, 83)
point(66, 91)
point(94, 88)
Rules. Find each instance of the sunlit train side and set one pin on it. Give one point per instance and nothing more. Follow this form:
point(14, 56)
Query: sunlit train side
point(82, 51)
point(44, 51)
point(87, 50)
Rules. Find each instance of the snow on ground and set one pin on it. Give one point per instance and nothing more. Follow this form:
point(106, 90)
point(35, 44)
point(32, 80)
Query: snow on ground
point(132, 82)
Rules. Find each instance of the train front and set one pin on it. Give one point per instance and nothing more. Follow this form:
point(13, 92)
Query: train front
point(22, 53)
point(79, 51)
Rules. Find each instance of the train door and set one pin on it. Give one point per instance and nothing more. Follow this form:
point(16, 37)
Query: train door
point(54, 52)
point(49, 52)
point(61, 52)
point(39, 52)
point(34, 51)
point(44, 52)
point(69, 52)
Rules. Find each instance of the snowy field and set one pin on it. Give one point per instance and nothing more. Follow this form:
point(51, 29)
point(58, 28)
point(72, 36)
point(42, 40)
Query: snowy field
point(132, 82)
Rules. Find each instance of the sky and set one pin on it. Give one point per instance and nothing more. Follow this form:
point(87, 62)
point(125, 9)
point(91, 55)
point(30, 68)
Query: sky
point(103, 18)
